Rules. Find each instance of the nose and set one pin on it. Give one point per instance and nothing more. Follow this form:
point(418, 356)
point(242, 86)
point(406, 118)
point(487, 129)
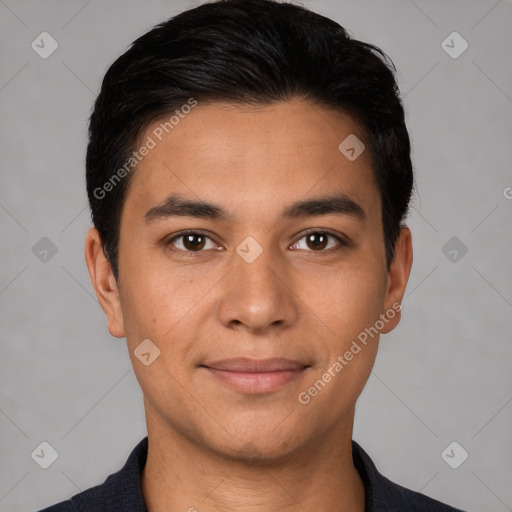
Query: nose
point(257, 296)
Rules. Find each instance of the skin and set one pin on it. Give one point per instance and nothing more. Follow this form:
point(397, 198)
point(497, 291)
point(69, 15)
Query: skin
point(211, 447)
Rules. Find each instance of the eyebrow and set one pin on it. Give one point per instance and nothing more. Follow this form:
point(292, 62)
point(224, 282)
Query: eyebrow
point(178, 206)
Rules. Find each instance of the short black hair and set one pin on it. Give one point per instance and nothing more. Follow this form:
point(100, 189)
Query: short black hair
point(253, 52)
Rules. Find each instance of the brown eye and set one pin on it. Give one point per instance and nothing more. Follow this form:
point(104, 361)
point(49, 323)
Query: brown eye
point(317, 240)
point(193, 242)
point(190, 242)
point(320, 241)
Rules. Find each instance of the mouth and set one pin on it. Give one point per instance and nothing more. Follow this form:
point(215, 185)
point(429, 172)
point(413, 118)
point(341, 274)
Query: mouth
point(255, 376)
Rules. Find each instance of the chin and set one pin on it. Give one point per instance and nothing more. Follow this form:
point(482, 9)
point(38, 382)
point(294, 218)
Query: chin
point(260, 443)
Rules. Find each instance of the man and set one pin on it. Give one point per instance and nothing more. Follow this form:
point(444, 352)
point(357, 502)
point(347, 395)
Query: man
point(248, 173)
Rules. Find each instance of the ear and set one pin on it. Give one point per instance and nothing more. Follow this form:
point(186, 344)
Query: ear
point(398, 276)
point(104, 282)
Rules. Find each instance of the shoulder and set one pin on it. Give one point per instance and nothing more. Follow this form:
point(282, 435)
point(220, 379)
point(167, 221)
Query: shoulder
point(383, 495)
point(120, 492)
point(98, 499)
point(417, 502)
point(91, 499)
point(63, 506)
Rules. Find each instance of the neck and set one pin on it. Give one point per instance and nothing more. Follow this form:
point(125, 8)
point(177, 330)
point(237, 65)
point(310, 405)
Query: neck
point(180, 475)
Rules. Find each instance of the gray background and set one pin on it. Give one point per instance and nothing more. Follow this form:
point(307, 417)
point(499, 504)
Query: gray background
point(443, 375)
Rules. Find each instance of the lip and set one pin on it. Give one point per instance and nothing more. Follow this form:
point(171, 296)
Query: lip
point(255, 376)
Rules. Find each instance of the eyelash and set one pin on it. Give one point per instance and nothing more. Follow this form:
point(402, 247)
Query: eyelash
point(342, 243)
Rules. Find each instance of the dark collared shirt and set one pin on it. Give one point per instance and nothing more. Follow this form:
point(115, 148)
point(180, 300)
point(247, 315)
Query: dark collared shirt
point(121, 491)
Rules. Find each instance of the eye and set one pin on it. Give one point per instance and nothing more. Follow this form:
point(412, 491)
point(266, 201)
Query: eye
point(191, 241)
point(318, 241)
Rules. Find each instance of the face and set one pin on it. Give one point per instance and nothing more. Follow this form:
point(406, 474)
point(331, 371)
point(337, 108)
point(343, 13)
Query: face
point(254, 303)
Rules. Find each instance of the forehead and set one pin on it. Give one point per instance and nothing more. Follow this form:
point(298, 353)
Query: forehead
point(251, 157)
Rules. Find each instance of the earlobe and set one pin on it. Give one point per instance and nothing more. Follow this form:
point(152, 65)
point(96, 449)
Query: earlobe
point(398, 276)
point(104, 283)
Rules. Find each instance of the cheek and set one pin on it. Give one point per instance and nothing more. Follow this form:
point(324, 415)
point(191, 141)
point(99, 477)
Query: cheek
point(163, 305)
point(348, 306)
point(346, 299)
point(154, 308)
point(149, 307)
